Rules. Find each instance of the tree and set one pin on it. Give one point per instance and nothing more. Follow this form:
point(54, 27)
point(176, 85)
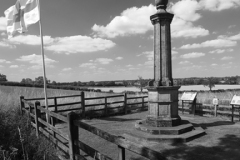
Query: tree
point(3, 78)
point(141, 83)
point(23, 81)
point(54, 82)
point(39, 80)
point(28, 81)
point(209, 82)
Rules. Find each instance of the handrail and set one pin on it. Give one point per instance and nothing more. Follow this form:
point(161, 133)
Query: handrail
point(55, 115)
point(37, 99)
point(92, 98)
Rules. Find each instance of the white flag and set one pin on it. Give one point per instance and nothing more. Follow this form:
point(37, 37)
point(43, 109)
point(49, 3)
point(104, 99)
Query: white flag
point(21, 15)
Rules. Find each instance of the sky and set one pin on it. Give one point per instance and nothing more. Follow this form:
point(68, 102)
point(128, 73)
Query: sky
point(103, 40)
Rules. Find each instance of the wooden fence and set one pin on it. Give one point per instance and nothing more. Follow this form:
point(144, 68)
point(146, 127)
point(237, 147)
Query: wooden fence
point(69, 141)
point(231, 111)
point(83, 105)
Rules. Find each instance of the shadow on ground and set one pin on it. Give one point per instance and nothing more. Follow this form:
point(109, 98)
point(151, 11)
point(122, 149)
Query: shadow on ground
point(120, 119)
point(228, 148)
point(213, 124)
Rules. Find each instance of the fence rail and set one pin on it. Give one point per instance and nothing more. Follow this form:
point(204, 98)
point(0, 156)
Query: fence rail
point(69, 141)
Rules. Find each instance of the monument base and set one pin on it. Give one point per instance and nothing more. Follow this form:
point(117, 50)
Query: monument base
point(163, 122)
point(163, 106)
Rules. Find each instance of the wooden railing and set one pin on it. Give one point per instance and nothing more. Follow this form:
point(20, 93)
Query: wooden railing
point(83, 103)
point(231, 111)
point(69, 141)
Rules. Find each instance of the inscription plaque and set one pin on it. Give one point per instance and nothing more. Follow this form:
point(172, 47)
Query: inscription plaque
point(235, 100)
point(188, 96)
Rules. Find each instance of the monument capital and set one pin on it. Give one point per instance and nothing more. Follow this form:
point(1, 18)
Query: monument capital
point(161, 4)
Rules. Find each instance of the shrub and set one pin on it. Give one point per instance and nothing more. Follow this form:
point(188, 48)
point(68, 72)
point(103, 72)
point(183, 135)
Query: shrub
point(18, 140)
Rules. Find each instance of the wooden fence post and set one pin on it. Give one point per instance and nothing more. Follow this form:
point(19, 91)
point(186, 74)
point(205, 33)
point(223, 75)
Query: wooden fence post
point(72, 136)
point(125, 103)
point(121, 153)
point(142, 103)
point(21, 104)
point(215, 110)
point(182, 106)
point(239, 112)
point(106, 107)
point(37, 115)
point(55, 110)
point(232, 113)
point(194, 106)
point(83, 103)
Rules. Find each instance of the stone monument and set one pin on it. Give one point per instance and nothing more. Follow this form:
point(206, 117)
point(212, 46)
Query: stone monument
point(162, 95)
point(163, 121)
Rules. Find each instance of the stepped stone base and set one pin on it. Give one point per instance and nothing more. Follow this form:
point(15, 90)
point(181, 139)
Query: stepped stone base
point(162, 122)
point(177, 134)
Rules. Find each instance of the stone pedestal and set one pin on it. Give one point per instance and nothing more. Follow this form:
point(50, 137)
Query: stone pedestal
point(163, 106)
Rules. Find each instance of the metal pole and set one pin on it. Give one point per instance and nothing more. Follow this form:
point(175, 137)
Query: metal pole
point(43, 61)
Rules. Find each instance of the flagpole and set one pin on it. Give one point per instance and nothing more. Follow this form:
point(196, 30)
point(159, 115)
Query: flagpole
point(43, 61)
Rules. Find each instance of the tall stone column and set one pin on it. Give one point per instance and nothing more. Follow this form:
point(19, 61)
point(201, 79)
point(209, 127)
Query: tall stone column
point(163, 96)
point(162, 121)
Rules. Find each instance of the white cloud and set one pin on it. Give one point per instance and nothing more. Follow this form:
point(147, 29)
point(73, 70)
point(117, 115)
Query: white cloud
point(187, 30)
point(226, 58)
point(235, 38)
point(4, 44)
point(14, 66)
point(174, 52)
point(231, 26)
point(217, 43)
point(148, 54)
point(131, 21)
point(87, 65)
point(30, 40)
point(186, 10)
point(185, 13)
point(66, 69)
point(219, 5)
point(184, 62)
point(219, 51)
point(149, 63)
point(103, 60)
point(76, 44)
point(192, 55)
point(214, 64)
point(136, 21)
point(36, 60)
point(4, 61)
point(129, 65)
point(3, 23)
point(119, 58)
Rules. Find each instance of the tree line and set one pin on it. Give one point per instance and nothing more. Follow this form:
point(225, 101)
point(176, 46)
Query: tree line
point(139, 82)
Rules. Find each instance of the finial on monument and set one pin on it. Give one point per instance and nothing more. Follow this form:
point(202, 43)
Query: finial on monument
point(161, 4)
